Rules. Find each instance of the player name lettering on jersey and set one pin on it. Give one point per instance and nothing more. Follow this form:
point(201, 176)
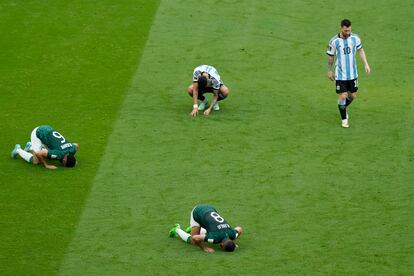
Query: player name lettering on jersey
point(65, 146)
point(223, 226)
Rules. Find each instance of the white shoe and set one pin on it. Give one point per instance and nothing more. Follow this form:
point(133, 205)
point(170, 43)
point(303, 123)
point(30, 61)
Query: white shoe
point(216, 107)
point(28, 146)
point(345, 123)
point(14, 152)
point(203, 104)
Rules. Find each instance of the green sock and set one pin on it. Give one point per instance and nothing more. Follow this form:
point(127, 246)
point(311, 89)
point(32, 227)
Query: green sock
point(25, 155)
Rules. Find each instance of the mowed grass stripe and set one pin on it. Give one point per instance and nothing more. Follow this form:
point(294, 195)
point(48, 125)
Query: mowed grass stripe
point(67, 65)
point(311, 196)
point(148, 158)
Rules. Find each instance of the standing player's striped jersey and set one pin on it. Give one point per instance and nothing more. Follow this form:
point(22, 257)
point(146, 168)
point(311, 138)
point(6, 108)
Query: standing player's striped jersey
point(215, 80)
point(345, 51)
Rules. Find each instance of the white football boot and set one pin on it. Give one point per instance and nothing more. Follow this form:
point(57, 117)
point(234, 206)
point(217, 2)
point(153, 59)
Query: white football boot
point(203, 104)
point(216, 107)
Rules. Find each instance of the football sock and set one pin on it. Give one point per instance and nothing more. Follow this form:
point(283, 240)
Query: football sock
point(348, 101)
point(25, 155)
point(221, 97)
point(183, 235)
point(201, 97)
point(342, 108)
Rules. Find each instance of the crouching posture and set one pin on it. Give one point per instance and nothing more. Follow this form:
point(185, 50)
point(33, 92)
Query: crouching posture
point(206, 79)
point(47, 143)
point(206, 225)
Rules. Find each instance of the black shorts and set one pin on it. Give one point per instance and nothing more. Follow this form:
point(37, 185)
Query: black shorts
point(346, 86)
point(210, 89)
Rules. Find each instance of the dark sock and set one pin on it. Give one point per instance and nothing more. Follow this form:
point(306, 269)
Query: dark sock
point(221, 97)
point(201, 97)
point(348, 101)
point(342, 111)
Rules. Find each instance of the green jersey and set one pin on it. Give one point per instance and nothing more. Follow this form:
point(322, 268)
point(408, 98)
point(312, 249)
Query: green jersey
point(57, 145)
point(217, 227)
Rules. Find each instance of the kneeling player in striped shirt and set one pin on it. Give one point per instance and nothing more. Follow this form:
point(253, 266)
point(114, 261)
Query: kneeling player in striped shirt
point(206, 79)
point(344, 46)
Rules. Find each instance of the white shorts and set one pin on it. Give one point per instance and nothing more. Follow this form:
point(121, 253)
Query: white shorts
point(193, 223)
point(36, 143)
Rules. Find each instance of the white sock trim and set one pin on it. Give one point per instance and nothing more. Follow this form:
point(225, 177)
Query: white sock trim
point(25, 155)
point(183, 235)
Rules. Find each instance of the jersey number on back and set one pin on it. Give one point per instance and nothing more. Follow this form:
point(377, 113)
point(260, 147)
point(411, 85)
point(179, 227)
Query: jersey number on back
point(217, 217)
point(59, 136)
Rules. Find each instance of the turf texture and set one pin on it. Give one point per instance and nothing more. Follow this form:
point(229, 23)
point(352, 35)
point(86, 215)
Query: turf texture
point(312, 197)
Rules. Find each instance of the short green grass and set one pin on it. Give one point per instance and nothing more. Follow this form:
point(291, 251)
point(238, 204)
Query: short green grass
point(312, 197)
point(66, 64)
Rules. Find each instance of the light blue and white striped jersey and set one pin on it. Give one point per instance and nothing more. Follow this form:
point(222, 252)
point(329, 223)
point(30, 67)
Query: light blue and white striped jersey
point(215, 80)
point(345, 52)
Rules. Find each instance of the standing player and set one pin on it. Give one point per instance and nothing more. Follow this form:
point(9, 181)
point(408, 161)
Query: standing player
point(344, 46)
point(47, 143)
point(208, 226)
point(206, 80)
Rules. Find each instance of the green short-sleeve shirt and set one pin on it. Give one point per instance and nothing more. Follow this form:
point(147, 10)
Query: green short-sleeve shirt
point(217, 227)
point(58, 146)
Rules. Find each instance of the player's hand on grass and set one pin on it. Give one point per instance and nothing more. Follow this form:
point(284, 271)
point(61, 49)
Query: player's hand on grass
point(208, 250)
point(194, 112)
point(207, 111)
point(331, 75)
point(50, 167)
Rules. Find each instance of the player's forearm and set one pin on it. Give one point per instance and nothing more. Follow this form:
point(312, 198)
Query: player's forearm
point(196, 242)
point(363, 57)
point(42, 161)
point(215, 99)
point(202, 246)
point(330, 63)
point(195, 96)
point(41, 157)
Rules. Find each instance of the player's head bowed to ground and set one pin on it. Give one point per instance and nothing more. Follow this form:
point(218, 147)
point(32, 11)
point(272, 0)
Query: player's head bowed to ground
point(206, 225)
point(206, 79)
point(47, 143)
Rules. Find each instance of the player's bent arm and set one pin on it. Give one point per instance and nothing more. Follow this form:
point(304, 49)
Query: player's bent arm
point(41, 156)
point(195, 93)
point(195, 239)
point(195, 99)
point(215, 99)
point(198, 240)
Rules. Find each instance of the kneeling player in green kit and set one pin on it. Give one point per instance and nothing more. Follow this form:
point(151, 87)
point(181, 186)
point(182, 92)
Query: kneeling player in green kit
point(47, 143)
point(208, 226)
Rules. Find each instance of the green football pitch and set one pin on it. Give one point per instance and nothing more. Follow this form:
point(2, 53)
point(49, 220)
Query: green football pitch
point(111, 75)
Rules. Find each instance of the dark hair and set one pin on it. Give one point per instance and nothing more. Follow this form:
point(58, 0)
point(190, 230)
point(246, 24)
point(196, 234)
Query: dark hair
point(346, 23)
point(202, 83)
point(229, 245)
point(70, 161)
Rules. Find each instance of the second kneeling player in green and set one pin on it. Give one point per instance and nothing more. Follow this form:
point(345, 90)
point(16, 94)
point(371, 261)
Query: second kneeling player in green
point(208, 226)
point(47, 143)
